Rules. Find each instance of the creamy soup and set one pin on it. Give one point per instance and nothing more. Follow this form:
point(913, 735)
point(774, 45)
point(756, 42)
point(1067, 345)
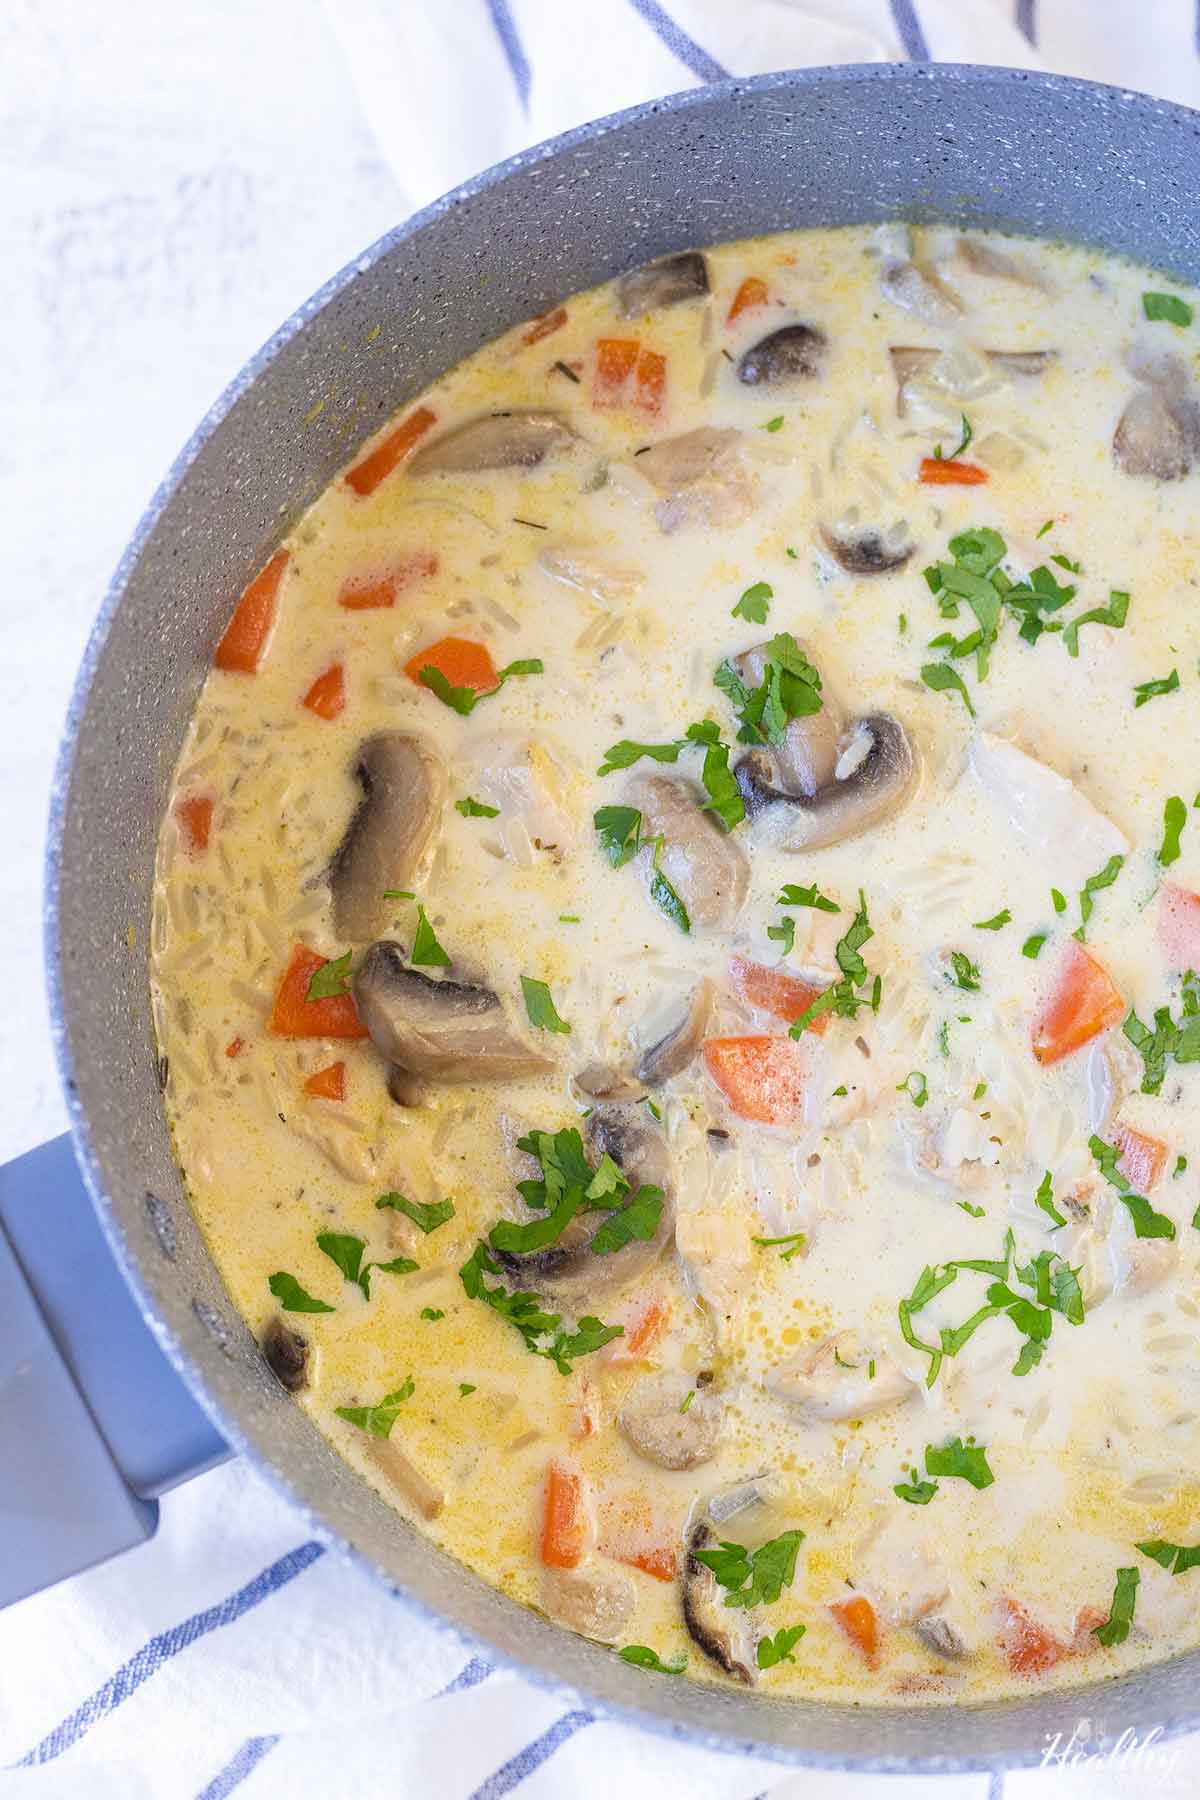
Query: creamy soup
point(672, 964)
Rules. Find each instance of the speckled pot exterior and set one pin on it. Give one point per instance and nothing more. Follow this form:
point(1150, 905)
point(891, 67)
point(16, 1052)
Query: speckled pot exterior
point(979, 147)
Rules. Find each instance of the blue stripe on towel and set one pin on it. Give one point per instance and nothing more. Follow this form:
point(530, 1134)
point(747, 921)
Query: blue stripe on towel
point(514, 50)
point(996, 1778)
point(689, 52)
point(238, 1768)
point(531, 1758)
point(158, 1650)
point(476, 1671)
point(904, 17)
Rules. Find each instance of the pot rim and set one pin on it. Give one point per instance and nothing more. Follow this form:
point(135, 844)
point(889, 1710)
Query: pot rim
point(903, 75)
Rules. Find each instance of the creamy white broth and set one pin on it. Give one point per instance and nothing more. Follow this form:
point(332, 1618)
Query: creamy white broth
point(976, 1591)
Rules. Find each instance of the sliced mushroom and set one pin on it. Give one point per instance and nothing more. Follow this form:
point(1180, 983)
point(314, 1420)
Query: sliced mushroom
point(676, 1038)
point(390, 840)
point(701, 476)
point(985, 259)
point(938, 1635)
point(1158, 434)
point(570, 1270)
point(603, 1081)
point(667, 1428)
point(909, 363)
point(286, 1353)
point(591, 1599)
point(705, 867)
point(865, 549)
point(874, 773)
point(405, 1477)
point(725, 1633)
point(446, 1030)
point(840, 1379)
point(918, 291)
point(794, 353)
point(507, 440)
point(1024, 363)
point(667, 282)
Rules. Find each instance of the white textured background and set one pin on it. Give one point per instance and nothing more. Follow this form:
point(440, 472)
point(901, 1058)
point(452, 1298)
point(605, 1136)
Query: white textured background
point(175, 176)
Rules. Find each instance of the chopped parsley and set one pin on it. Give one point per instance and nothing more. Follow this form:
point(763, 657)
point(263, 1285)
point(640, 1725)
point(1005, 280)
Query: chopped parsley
point(347, 1253)
point(1147, 1223)
point(1166, 306)
point(917, 1493)
point(996, 922)
point(432, 1313)
point(965, 436)
point(1171, 1040)
point(637, 1219)
point(642, 1657)
point(1058, 901)
point(331, 978)
point(1032, 947)
point(1150, 690)
point(1114, 614)
point(795, 1240)
point(475, 809)
point(974, 1212)
point(965, 972)
point(778, 1649)
point(783, 934)
point(1174, 820)
point(942, 679)
point(464, 700)
point(959, 1461)
point(621, 840)
point(1093, 885)
point(1180, 1167)
point(427, 1216)
point(754, 1577)
point(774, 425)
point(524, 1311)
point(465, 1388)
point(427, 953)
point(915, 1086)
point(840, 997)
point(1176, 1559)
point(1045, 1199)
point(1115, 1628)
point(807, 896)
point(755, 603)
point(379, 1419)
point(292, 1297)
point(790, 689)
point(540, 1007)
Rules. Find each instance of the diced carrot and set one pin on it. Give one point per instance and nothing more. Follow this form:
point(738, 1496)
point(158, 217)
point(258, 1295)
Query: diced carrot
point(752, 293)
point(328, 1084)
point(1082, 1003)
point(1141, 1159)
point(857, 1619)
point(378, 463)
point(650, 381)
point(783, 996)
point(947, 471)
point(368, 593)
point(327, 695)
point(1179, 926)
point(241, 649)
point(194, 814)
point(1030, 1648)
point(295, 1015)
point(645, 1320)
point(234, 1046)
point(546, 326)
point(659, 1560)
point(615, 362)
point(761, 1077)
point(564, 1521)
point(464, 662)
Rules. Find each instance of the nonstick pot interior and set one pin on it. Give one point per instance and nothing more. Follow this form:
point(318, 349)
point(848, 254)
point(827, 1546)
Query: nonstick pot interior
point(978, 147)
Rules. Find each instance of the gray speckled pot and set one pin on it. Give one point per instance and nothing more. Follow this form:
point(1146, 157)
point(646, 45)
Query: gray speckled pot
point(983, 147)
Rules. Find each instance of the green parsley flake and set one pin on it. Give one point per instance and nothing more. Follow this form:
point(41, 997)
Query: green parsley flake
point(331, 978)
point(1150, 690)
point(292, 1297)
point(464, 700)
point(1093, 885)
point(1168, 307)
point(774, 425)
point(1176, 1559)
point(1174, 820)
point(426, 1215)
point(379, 1419)
point(795, 1240)
point(427, 953)
point(943, 679)
point(966, 973)
point(915, 1086)
point(475, 809)
point(959, 1461)
point(917, 1493)
point(807, 896)
point(778, 1649)
point(1147, 1223)
point(1114, 614)
point(1115, 1628)
point(540, 1006)
point(755, 603)
point(995, 923)
point(644, 1658)
point(754, 1577)
point(1045, 1199)
point(1032, 947)
point(432, 1313)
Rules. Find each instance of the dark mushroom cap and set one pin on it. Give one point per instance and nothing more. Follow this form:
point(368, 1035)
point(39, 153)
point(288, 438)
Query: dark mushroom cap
point(507, 440)
point(793, 353)
point(1157, 435)
point(678, 1044)
point(391, 833)
point(286, 1353)
point(866, 550)
point(667, 282)
point(446, 1030)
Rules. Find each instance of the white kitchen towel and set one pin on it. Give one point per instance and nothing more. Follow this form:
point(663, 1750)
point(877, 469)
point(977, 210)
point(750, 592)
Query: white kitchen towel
point(233, 1654)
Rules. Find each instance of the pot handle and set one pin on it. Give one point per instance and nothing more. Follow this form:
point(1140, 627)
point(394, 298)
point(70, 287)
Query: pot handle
point(94, 1422)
